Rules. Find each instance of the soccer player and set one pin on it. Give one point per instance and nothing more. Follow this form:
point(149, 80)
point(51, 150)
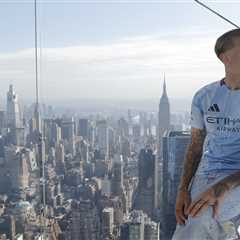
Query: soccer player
point(209, 189)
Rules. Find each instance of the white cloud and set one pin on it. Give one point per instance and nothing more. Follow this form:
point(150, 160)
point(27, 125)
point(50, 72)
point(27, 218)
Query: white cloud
point(130, 68)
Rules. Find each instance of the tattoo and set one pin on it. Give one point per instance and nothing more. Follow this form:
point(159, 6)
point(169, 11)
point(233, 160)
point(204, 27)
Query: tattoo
point(193, 157)
point(228, 183)
point(220, 189)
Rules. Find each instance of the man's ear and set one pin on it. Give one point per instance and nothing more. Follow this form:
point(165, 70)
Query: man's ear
point(224, 58)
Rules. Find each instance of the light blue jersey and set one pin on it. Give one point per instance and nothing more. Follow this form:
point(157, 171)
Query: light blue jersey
point(216, 108)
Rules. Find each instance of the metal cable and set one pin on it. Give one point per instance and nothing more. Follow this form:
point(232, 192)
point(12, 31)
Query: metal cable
point(219, 15)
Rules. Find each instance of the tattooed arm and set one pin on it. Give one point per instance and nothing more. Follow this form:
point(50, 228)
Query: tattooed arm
point(192, 159)
point(214, 195)
point(227, 184)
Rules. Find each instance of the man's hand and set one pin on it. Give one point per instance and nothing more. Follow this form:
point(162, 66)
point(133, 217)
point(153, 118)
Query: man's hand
point(182, 202)
point(212, 197)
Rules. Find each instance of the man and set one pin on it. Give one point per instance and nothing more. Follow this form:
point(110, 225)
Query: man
point(209, 189)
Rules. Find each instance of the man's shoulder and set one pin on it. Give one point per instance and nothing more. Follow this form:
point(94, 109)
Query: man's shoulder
point(207, 89)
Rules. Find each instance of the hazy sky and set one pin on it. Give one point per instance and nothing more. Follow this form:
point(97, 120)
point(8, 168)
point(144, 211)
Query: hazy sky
point(111, 49)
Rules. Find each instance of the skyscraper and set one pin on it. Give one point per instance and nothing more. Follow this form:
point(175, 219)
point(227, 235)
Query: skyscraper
point(163, 125)
point(68, 134)
point(85, 223)
point(139, 226)
point(103, 137)
point(123, 127)
point(174, 148)
point(107, 223)
point(83, 128)
point(17, 167)
point(117, 178)
point(163, 117)
point(144, 198)
point(8, 226)
point(2, 120)
point(60, 162)
point(14, 118)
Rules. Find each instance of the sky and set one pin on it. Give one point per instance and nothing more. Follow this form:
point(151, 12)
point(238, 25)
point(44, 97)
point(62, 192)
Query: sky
point(111, 49)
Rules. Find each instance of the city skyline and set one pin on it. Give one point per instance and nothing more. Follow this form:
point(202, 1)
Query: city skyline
point(99, 153)
point(123, 49)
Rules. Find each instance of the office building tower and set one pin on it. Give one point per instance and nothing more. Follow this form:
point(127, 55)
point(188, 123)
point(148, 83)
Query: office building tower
point(17, 167)
point(107, 223)
point(14, 119)
point(31, 159)
point(117, 176)
point(68, 134)
point(125, 148)
point(52, 133)
point(174, 147)
point(144, 196)
point(2, 120)
point(106, 187)
point(85, 223)
point(111, 142)
point(8, 226)
point(151, 230)
point(134, 228)
point(59, 156)
point(136, 130)
point(103, 138)
point(138, 226)
point(52, 156)
point(82, 148)
point(92, 133)
point(41, 153)
point(123, 128)
point(83, 128)
point(56, 133)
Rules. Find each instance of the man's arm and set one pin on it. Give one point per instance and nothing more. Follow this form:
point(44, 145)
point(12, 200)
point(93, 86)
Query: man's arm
point(193, 157)
point(230, 182)
point(214, 195)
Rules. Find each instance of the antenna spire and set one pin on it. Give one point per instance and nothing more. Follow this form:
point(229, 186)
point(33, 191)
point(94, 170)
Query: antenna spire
point(39, 134)
point(164, 84)
point(164, 93)
point(37, 114)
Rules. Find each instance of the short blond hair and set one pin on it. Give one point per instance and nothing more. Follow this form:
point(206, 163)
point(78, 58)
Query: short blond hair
point(226, 41)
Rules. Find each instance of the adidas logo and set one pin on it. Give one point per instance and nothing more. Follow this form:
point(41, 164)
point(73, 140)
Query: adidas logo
point(214, 108)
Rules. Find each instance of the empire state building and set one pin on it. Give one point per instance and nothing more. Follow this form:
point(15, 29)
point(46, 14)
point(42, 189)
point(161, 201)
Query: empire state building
point(163, 125)
point(163, 117)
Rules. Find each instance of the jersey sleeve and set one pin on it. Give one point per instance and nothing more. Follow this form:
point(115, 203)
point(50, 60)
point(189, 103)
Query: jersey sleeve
point(197, 116)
